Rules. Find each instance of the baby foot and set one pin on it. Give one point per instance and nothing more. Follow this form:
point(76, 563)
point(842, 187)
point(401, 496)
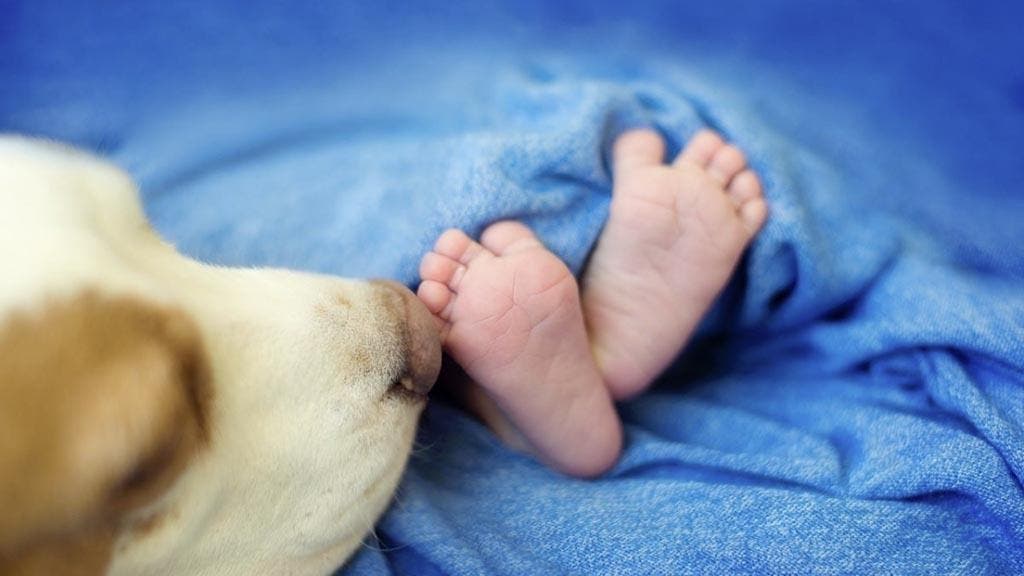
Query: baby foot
point(674, 235)
point(509, 313)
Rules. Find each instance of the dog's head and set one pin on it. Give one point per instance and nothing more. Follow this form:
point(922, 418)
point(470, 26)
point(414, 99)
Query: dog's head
point(158, 415)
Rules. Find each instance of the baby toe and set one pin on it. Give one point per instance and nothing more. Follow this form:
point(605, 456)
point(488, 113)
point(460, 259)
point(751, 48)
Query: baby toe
point(701, 148)
point(726, 164)
point(638, 149)
point(441, 269)
point(744, 187)
point(455, 244)
point(753, 214)
point(508, 236)
point(436, 297)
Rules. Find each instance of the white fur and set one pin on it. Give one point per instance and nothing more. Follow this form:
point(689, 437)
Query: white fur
point(307, 447)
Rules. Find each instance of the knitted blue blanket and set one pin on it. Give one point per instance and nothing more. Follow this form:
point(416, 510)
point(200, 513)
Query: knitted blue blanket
point(855, 401)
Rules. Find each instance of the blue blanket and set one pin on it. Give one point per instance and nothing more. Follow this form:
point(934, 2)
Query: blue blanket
point(854, 403)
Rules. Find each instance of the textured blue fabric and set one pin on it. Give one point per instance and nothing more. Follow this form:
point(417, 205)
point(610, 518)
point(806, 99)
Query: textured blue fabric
point(855, 402)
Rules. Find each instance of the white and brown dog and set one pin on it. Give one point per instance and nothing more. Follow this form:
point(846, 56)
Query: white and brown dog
point(161, 416)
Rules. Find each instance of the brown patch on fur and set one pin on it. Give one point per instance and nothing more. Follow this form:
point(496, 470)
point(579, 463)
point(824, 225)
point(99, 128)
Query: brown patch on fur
point(361, 359)
point(103, 402)
point(78, 555)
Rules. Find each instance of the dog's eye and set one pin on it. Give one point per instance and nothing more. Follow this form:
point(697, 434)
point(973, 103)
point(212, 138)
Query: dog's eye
point(148, 477)
point(144, 473)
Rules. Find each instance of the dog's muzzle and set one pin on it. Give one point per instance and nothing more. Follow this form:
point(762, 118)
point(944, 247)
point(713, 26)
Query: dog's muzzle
point(421, 339)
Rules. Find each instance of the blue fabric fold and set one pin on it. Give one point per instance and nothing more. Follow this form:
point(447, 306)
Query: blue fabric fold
point(855, 401)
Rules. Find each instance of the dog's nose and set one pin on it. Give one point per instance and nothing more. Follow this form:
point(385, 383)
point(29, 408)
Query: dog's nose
point(422, 341)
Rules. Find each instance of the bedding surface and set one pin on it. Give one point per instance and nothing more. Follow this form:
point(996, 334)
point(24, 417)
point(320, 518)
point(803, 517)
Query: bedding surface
point(855, 401)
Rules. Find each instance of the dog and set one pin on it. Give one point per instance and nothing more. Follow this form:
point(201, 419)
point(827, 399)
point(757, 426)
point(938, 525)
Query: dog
point(163, 416)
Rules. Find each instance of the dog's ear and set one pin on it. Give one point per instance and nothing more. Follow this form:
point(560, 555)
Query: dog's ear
point(102, 403)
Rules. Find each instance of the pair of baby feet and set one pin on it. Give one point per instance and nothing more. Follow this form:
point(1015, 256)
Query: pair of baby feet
point(548, 360)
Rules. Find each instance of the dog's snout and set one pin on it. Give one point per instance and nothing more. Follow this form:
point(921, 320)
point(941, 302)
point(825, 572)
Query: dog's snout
point(421, 340)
